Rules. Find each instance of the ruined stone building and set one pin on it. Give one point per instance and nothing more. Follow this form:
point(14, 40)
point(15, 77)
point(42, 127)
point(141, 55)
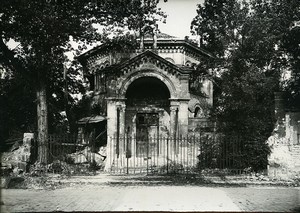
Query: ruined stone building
point(148, 92)
point(284, 160)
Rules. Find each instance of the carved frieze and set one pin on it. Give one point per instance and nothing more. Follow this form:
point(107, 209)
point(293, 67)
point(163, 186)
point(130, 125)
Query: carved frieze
point(149, 60)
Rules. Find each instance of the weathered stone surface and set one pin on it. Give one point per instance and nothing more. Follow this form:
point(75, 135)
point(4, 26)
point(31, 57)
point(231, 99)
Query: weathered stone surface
point(19, 155)
point(78, 157)
point(284, 161)
point(27, 138)
point(99, 160)
point(86, 156)
point(162, 76)
point(102, 151)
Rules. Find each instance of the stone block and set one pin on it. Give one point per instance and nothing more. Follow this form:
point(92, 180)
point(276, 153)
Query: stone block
point(22, 166)
point(4, 182)
point(27, 138)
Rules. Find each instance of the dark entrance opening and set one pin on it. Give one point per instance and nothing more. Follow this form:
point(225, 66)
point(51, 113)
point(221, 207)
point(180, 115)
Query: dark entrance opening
point(147, 91)
point(147, 131)
point(146, 98)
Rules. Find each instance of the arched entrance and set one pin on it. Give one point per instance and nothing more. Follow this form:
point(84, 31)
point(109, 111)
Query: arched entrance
point(147, 114)
point(141, 74)
point(144, 117)
point(147, 91)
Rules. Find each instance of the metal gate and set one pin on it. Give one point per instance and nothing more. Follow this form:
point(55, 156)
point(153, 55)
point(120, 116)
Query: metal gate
point(154, 155)
point(143, 154)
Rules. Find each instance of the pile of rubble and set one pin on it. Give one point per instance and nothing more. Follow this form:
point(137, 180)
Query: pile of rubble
point(87, 155)
point(18, 157)
point(83, 162)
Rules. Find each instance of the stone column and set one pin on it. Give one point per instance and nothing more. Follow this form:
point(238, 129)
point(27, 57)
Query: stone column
point(28, 151)
point(121, 107)
point(113, 106)
point(183, 99)
point(111, 132)
point(174, 105)
point(173, 127)
point(183, 117)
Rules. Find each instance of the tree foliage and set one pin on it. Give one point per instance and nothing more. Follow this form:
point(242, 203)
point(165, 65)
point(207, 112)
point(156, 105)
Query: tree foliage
point(252, 44)
point(43, 29)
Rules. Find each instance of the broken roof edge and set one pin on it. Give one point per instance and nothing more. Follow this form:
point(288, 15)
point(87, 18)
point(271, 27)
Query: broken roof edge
point(91, 119)
point(89, 53)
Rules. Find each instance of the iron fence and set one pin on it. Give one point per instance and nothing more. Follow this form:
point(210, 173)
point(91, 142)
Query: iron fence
point(71, 148)
point(174, 155)
point(133, 155)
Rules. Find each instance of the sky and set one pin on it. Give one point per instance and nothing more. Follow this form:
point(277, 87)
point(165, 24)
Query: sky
point(180, 15)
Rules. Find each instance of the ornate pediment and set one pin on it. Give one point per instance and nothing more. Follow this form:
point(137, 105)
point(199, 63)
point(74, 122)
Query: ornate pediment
point(150, 60)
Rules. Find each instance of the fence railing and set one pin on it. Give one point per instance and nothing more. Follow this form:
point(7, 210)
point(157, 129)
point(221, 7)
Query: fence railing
point(180, 154)
point(71, 148)
point(150, 154)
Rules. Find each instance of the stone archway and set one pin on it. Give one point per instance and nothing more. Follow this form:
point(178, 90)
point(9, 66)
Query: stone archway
point(171, 119)
point(147, 114)
point(147, 73)
point(147, 90)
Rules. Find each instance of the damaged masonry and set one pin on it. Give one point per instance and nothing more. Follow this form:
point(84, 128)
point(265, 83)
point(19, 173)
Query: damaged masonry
point(153, 116)
point(147, 94)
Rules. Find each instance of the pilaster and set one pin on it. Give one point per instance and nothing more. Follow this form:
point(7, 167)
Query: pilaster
point(115, 130)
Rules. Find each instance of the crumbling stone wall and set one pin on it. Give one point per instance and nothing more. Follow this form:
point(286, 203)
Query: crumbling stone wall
point(284, 160)
point(18, 157)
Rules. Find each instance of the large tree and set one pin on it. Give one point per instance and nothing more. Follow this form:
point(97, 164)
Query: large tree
point(43, 29)
point(248, 40)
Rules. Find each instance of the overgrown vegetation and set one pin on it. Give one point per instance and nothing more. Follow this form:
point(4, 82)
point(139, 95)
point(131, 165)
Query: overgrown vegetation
point(254, 42)
point(36, 85)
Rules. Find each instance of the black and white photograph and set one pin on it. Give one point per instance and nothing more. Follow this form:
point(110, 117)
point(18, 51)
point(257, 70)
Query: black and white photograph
point(150, 105)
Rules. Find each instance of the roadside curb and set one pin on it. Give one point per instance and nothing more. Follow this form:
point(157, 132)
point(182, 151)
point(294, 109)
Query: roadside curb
point(53, 181)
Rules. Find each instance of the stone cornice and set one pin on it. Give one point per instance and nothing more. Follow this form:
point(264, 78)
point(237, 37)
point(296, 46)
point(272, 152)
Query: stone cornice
point(148, 59)
point(179, 44)
point(163, 46)
point(94, 58)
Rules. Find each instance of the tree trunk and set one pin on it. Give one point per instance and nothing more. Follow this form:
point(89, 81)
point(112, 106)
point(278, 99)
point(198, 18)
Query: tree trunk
point(42, 116)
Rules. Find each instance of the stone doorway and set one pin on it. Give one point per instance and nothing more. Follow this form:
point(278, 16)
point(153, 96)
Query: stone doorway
point(144, 94)
point(147, 133)
point(147, 110)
